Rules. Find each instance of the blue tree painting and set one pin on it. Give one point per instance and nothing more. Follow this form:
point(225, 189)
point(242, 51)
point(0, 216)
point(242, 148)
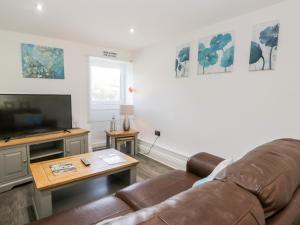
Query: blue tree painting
point(182, 61)
point(216, 54)
point(42, 62)
point(264, 46)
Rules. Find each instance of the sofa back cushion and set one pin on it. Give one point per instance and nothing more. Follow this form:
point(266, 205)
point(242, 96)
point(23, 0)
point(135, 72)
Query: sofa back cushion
point(271, 172)
point(212, 203)
point(290, 215)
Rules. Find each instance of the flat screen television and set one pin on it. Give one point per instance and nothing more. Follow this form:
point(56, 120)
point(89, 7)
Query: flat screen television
point(23, 115)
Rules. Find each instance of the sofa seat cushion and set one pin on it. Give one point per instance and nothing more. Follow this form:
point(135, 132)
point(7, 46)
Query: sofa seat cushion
point(156, 190)
point(214, 203)
point(88, 214)
point(270, 171)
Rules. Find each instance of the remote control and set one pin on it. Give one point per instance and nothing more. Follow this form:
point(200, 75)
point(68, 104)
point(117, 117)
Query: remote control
point(85, 162)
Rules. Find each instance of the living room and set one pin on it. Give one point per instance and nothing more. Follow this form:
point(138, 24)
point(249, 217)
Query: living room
point(149, 112)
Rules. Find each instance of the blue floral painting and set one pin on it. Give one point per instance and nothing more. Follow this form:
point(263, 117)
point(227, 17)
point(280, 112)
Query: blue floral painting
point(182, 61)
point(216, 54)
point(42, 62)
point(264, 46)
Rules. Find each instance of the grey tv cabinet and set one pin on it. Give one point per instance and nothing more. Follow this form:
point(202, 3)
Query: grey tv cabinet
point(17, 154)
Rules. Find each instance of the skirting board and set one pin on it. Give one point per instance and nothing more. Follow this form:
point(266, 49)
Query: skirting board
point(163, 155)
point(98, 144)
point(8, 186)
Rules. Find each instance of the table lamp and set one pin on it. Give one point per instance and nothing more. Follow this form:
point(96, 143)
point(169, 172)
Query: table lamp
point(126, 111)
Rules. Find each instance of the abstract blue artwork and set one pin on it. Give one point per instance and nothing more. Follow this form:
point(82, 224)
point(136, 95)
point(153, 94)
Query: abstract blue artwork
point(264, 46)
point(216, 54)
point(42, 62)
point(182, 61)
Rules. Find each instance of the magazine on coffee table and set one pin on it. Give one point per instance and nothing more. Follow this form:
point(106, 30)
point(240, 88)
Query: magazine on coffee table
point(62, 168)
point(112, 159)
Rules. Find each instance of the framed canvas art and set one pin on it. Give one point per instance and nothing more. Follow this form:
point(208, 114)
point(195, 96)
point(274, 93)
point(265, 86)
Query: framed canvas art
point(216, 54)
point(264, 46)
point(42, 62)
point(182, 61)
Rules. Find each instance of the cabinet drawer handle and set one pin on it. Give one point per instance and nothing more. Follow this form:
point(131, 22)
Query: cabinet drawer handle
point(24, 161)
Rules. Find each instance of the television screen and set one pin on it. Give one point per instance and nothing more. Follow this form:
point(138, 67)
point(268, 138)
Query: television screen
point(23, 115)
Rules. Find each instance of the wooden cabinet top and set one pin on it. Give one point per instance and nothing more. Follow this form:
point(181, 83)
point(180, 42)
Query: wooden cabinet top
point(121, 133)
point(43, 137)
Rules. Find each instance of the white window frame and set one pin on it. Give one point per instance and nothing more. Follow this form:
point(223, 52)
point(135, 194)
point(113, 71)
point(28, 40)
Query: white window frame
point(97, 61)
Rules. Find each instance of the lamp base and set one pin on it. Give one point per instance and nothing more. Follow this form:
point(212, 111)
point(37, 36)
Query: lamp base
point(126, 123)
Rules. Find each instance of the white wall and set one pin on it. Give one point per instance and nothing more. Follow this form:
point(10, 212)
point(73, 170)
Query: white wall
point(224, 114)
point(76, 70)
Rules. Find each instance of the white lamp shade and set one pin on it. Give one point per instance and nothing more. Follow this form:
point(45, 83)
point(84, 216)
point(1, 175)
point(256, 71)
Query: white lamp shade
point(126, 109)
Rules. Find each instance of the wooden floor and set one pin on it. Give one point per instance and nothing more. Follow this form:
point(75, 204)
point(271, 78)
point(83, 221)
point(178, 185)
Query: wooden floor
point(16, 205)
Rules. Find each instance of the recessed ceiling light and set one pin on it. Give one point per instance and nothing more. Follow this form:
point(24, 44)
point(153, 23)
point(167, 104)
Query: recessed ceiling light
point(131, 30)
point(39, 7)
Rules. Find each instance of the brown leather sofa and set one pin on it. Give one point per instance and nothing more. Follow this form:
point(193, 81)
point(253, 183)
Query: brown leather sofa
point(261, 188)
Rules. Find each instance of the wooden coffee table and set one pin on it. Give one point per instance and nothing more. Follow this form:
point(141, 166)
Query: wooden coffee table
point(45, 182)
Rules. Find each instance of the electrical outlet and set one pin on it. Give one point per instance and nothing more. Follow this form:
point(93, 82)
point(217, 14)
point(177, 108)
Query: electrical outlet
point(157, 133)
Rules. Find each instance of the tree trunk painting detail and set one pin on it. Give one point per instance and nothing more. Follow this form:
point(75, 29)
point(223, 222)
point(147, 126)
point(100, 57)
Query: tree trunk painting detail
point(264, 46)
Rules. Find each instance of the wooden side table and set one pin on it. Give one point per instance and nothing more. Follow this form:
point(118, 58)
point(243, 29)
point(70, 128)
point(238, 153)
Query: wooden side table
point(113, 136)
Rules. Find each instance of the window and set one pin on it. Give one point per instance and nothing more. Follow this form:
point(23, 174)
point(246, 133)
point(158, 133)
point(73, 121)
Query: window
point(105, 84)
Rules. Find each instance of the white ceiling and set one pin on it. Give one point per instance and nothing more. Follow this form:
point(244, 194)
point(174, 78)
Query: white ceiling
point(107, 22)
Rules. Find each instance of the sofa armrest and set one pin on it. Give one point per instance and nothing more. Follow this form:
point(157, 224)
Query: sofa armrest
point(202, 164)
